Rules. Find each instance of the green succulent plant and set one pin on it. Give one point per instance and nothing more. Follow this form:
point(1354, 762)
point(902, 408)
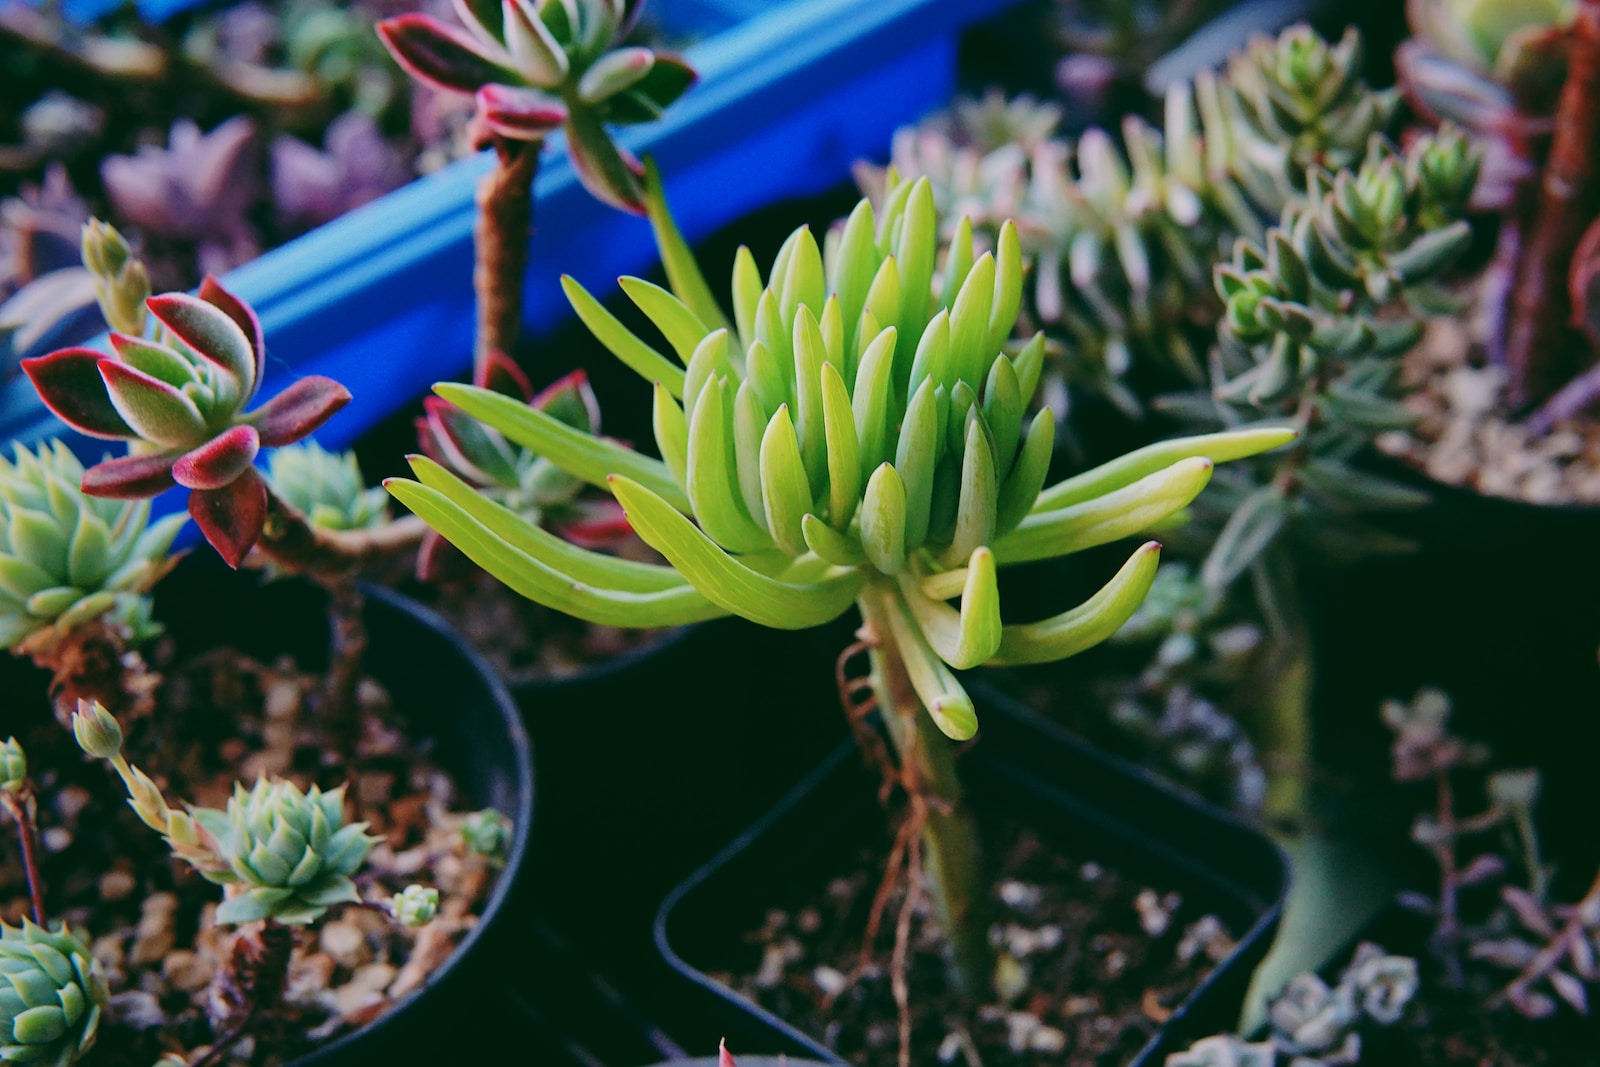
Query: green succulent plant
point(415, 905)
point(52, 996)
point(857, 435)
point(289, 854)
point(326, 487)
point(284, 854)
point(67, 557)
point(487, 833)
point(13, 766)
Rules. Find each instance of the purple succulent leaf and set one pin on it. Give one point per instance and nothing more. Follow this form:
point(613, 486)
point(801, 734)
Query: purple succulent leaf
point(45, 304)
point(211, 333)
point(609, 172)
point(443, 56)
point(356, 166)
point(220, 460)
point(159, 413)
point(1529, 912)
point(519, 114)
point(244, 317)
point(571, 400)
point(232, 517)
point(1570, 989)
point(305, 183)
point(197, 188)
point(70, 385)
point(298, 410)
point(131, 477)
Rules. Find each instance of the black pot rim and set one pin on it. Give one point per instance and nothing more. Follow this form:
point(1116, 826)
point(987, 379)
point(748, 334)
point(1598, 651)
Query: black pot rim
point(347, 1047)
point(1263, 927)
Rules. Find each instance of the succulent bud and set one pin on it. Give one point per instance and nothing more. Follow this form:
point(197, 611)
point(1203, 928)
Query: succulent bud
point(97, 730)
point(487, 833)
point(289, 855)
point(415, 905)
point(13, 766)
point(327, 488)
point(52, 996)
point(121, 283)
point(66, 557)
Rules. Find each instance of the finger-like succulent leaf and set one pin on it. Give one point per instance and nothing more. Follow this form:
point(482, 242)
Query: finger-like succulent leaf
point(1125, 470)
point(970, 637)
point(947, 702)
point(681, 327)
point(1121, 513)
point(1086, 625)
point(714, 491)
point(622, 342)
point(683, 272)
point(725, 580)
point(581, 455)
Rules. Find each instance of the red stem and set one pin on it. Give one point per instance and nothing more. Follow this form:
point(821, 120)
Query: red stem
point(1542, 349)
point(501, 233)
point(30, 852)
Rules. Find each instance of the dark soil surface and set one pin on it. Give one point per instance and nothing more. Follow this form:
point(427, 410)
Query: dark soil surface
point(219, 718)
point(1089, 961)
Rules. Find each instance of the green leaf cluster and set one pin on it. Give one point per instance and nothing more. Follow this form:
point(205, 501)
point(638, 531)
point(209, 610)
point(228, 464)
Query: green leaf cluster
point(858, 427)
point(67, 558)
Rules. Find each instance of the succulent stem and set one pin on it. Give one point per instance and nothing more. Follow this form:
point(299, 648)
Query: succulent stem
point(348, 642)
point(291, 542)
point(17, 804)
point(1541, 346)
point(950, 846)
point(94, 662)
point(500, 235)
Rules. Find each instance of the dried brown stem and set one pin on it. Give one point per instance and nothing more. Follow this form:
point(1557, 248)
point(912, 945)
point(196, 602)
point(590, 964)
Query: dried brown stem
point(28, 835)
point(500, 235)
point(93, 662)
point(1542, 348)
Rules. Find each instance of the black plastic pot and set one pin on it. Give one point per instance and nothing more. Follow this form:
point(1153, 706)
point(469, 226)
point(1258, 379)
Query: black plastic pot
point(1073, 795)
point(1500, 607)
point(449, 694)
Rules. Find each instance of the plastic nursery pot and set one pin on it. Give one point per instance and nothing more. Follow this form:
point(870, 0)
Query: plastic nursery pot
point(449, 695)
point(1076, 798)
point(1496, 607)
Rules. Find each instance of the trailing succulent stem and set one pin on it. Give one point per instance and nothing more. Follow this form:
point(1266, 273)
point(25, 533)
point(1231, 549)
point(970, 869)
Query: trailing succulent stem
point(16, 797)
point(500, 235)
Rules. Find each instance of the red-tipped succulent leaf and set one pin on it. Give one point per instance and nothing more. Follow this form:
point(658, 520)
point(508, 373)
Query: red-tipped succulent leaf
point(298, 410)
point(441, 55)
point(218, 461)
point(519, 114)
point(68, 382)
point(232, 516)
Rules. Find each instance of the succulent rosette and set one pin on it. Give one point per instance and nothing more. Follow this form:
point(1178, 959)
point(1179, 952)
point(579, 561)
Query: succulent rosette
point(515, 477)
point(287, 855)
point(326, 487)
point(13, 766)
point(52, 996)
point(535, 66)
point(179, 398)
point(66, 557)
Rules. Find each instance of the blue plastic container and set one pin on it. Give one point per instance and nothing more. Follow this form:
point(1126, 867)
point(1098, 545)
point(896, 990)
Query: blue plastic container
point(791, 94)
